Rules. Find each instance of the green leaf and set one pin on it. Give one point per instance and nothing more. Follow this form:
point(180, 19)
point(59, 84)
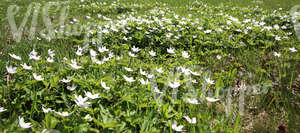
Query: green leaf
point(50, 121)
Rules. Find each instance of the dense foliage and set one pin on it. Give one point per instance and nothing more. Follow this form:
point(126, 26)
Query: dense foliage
point(212, 69)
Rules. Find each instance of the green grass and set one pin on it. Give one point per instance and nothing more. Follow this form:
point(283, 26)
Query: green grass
point(267, 4)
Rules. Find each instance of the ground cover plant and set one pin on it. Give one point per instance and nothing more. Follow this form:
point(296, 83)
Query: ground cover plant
point(149, 66)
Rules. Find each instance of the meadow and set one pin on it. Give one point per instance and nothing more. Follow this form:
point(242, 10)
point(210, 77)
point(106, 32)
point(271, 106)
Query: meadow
point(150, 66)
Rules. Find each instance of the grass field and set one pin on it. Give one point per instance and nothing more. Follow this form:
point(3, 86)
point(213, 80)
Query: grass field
point(149, 66)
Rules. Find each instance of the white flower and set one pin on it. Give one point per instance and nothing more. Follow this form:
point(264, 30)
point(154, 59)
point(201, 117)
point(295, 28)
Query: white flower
point(23, 124)
point(103, 84)
point(171, 50)
point(194, 81)
point(92, 96)
point(156, 90)
point(128, 79)
point(111, 55)
point(119, 57)
point(276, 26)
point(11, 70)
point(186, 71)
point(33, 55)
point(95, 60)
point(143, 72)
point(219, 57)
point(277, 38)
point(234, 19)
point(178, 128)
point(81, 102)
point(209, 81)
point(143, 82)
point(93, 53)
point(99, 62)
point(210, 99)
point(268, 28)
point(194, 73)
point(131, 54)
point(207, 31)
point(191, 121)
point(174, 85)
point(74, 64)
point(26, 67)
point(65, 59)
point(106, 59)
point(46, 110)
point(185, 54)
point(277, 54)
point(293, 49)
point(88, 117)
point(159, 70)
point(135, 49)
point(71, 88)
point(150, 76)
point(192, 101)
point(152, 53)
point(15, 56)
point(37, 77)
point(51, 53)
point(50, 59)
point(64, 114)
point(68, 80)
point(79, 51)
point(102, 49)
point(2, 109)
point(128, 69)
